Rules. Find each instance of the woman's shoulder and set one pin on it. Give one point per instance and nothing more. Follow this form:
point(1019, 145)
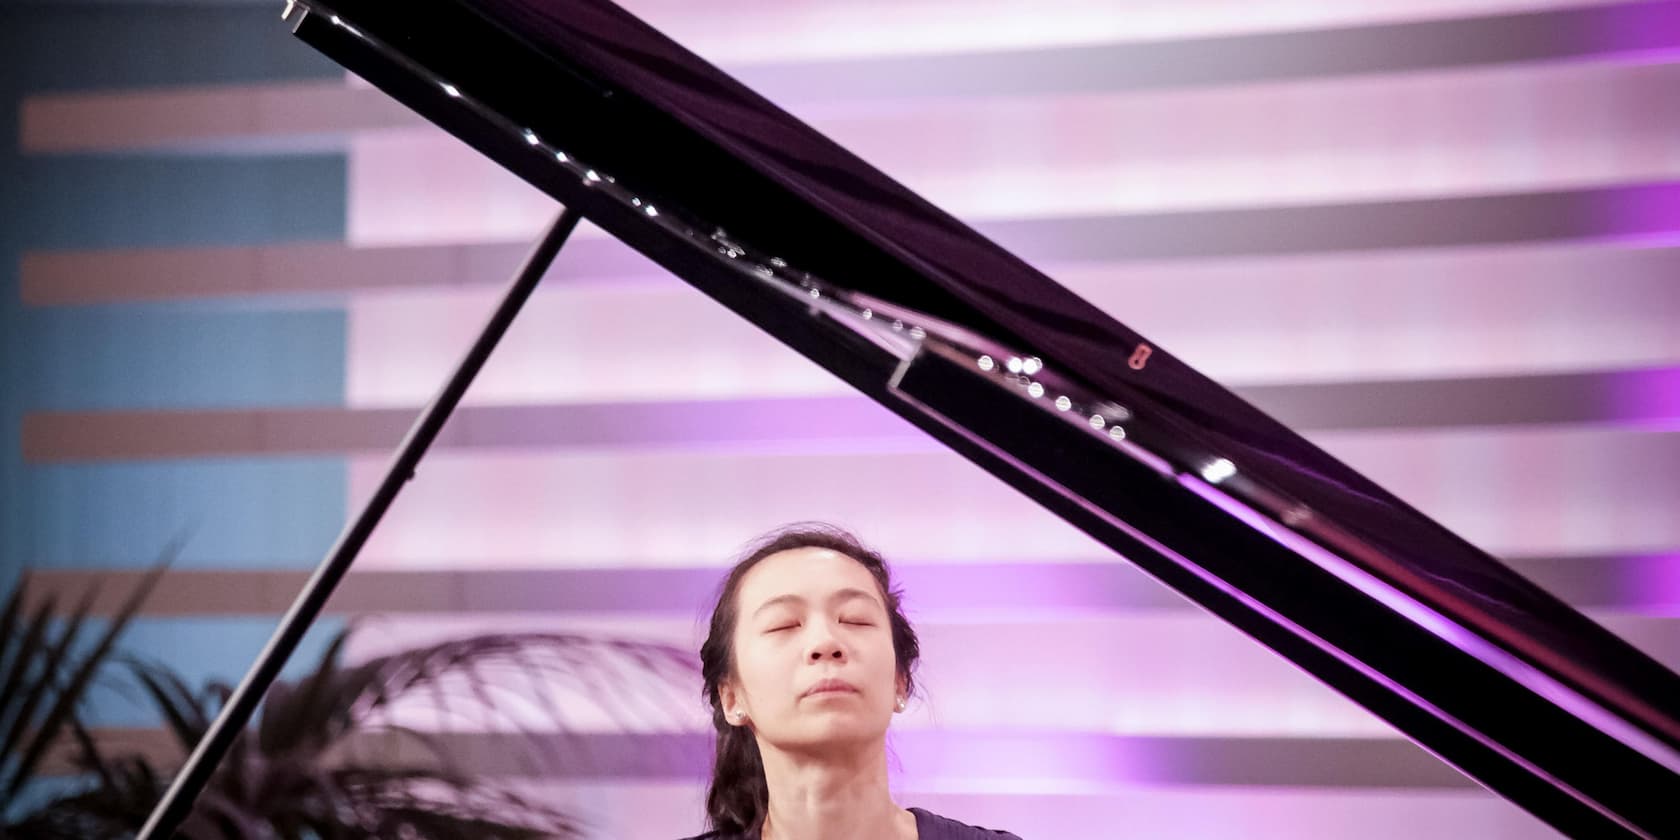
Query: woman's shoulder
point(720, 834)
point(932, 826)
point(929, 826)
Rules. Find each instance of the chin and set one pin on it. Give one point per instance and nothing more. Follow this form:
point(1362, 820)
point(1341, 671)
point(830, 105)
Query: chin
point(838, 728)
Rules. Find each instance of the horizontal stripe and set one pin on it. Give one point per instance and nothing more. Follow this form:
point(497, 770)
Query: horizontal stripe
point(747, 30)
point(1157, 672)
point(1637, 213)
point(941, 589)
point(58, 278)
point(824, 423)
point(267, 118)
point(1630, 212)
point(1644, 30)
point(940, 759)
point(1285, 145)
point(1641, 584)
point(1302, 318)
point(1513, 492)
point(1646, 399)
point(655, 811)
point(1436, 316)
point(1273, 813)
point(632, 810)
point(1147, 673)
point(262, 118)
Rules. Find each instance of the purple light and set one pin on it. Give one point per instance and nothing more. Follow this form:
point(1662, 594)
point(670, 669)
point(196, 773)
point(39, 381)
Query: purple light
point(1646, 398)
point(1449, 631)
point(1653, 585)
point(1642, 32)
point(1643, 213)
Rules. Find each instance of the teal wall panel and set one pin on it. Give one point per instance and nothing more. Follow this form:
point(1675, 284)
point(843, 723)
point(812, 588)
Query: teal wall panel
point(236, 513)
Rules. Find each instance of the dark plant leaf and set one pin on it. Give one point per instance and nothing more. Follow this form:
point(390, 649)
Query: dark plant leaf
point(87, 753)
point(303, 771)
point(8, 630)
point(71, 694)
point(54, 660)
point(180, 711)
point(303, 715)
point(25, 687)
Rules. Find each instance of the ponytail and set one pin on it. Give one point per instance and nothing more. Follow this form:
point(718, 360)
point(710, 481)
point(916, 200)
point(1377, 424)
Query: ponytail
point(738, 797)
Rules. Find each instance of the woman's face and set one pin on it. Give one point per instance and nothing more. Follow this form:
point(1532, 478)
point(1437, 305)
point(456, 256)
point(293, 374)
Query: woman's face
point(814, 662)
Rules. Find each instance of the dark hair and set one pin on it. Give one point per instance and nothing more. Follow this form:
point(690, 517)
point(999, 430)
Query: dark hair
point(738, 796)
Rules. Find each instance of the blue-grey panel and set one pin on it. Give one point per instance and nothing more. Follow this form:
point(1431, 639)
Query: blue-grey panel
point(235, 513)
point(101, 202)
point(160, 357)
point(79, 47)
point(274, 513)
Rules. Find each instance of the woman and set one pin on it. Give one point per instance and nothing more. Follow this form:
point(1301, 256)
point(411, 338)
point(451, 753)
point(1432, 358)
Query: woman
point(808, 657)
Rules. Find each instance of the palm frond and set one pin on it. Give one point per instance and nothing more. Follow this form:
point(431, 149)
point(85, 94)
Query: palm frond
point(45, 681)
point(26, 684)
point(314, 708)
point(69, 696)
point(88, 755)
point(302, 769)
point(8, 629)
point(182, 713)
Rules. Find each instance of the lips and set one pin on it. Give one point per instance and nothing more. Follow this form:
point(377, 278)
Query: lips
point(830, 686)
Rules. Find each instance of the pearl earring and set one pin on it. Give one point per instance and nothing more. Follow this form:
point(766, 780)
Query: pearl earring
point(900, 704)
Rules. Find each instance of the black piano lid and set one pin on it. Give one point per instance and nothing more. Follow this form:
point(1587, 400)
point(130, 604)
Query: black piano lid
point(908, 304)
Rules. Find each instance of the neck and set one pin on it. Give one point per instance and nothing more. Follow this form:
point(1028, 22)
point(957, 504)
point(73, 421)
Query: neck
point(838, 794)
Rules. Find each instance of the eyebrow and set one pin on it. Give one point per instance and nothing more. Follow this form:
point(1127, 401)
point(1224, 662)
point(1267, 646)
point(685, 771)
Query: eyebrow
point(847, 594)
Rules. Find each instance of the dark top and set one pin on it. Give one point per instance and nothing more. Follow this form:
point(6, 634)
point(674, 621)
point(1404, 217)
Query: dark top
point(929, 826)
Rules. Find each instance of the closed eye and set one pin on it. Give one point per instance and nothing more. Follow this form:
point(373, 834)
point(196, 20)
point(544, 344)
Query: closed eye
point(781, 628)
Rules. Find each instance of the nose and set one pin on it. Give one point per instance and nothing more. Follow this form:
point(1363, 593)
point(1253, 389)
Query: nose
point(826, 647)
point(829, 650)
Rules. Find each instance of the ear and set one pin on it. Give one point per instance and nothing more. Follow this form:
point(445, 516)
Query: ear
point(728, 698)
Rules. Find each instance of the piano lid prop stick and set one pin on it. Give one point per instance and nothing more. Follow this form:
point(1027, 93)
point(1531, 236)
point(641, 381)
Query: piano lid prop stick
point(177, 802)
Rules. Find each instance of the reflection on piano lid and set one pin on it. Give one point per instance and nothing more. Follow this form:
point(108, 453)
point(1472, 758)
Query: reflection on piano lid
point(1042, 389)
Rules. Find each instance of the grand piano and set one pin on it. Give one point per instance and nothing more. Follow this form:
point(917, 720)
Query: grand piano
point(1079, 413)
